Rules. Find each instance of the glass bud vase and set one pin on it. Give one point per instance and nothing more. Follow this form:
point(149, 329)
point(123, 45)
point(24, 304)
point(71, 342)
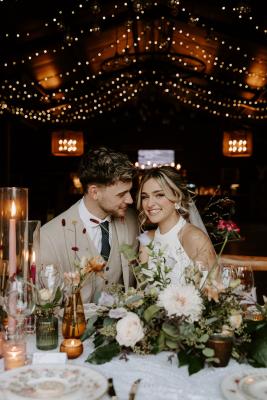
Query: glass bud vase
point(46, 331)
point(74, 323)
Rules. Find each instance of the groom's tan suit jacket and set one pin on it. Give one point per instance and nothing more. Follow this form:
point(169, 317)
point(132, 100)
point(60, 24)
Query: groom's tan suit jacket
point(57, 241)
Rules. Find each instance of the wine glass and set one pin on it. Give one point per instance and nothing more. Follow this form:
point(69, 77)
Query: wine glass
point(19, 301)
point(244, 273)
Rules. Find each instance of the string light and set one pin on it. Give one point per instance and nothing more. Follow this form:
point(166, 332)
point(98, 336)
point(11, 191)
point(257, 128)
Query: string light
point(20, 97)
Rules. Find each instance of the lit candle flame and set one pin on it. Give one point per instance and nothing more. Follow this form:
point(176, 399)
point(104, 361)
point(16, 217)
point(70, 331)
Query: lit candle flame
point(72, 343)
point(13, 209)
point(33, 257)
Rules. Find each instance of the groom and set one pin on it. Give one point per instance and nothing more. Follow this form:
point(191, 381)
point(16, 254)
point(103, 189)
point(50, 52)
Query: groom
point(97, 224)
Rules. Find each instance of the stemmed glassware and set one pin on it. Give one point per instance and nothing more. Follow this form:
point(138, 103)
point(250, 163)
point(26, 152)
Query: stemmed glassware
point(244, 273)
point(19, 301)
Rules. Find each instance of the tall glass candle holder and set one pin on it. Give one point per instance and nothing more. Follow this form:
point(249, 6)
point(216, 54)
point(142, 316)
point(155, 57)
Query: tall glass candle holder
point(13, 208)
point(29, 259)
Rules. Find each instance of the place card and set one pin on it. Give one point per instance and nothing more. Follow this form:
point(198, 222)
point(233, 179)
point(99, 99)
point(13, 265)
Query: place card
point(49, 358)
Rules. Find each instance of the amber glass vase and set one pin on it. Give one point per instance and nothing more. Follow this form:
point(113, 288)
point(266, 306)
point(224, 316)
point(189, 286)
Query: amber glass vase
point(74, 323)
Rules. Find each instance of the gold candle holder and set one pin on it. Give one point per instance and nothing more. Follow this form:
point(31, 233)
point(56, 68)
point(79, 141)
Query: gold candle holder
point(222, 346)
point(73, 347)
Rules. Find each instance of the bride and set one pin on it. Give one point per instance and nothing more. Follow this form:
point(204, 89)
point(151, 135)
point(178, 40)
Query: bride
point(164, 200)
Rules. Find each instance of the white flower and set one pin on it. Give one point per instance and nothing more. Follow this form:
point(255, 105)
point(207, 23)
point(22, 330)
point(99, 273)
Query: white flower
point(235, 320)
point(45, 294)
point(129, 330)
point(144, 239)
point(84, 262)
point(117, 313)
point(106, 299)
point(182, 301)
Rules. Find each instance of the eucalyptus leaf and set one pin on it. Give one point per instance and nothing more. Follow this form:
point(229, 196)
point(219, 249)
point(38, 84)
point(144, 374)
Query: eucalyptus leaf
point(109, 321)
point(204, 338)
point(151, 312)
point(104, 353)
point(208, 352)
point(128, 252)
point(90, 328)
point(160, 343)
point(172, 344)
point(170, 330)
point(133, 299)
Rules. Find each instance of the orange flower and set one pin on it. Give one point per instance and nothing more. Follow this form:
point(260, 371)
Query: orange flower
point(212, 289)
point(95, 264)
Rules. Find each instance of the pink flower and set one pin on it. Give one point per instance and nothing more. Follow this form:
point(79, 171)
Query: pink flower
point(229, 226)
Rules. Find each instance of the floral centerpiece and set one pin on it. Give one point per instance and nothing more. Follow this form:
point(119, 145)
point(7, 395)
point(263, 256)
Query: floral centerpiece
point(158, 316)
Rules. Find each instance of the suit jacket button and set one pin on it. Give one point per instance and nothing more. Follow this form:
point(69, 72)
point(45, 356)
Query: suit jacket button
point(106, 282)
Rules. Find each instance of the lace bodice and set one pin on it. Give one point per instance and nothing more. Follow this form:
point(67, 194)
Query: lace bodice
point(176, 257)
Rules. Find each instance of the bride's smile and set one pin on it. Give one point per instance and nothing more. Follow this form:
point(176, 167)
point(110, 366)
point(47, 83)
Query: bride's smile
point(157, 206)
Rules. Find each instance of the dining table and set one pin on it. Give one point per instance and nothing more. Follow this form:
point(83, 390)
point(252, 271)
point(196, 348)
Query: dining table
point(160, 376)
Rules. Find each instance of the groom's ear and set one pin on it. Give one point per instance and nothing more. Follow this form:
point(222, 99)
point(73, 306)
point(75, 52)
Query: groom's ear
point(93, 191)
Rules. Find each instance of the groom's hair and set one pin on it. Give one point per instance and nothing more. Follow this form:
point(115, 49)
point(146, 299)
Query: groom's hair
point(104, 166)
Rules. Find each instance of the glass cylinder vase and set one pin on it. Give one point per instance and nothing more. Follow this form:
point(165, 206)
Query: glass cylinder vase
point(13, 208)
point(74, 323)
point(46, 332)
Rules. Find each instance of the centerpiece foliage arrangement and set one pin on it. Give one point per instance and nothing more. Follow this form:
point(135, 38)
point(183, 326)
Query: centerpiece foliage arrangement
point(159, 316)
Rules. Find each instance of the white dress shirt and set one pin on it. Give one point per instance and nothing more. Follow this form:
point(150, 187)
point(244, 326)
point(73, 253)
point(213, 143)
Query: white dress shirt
point(93, 229)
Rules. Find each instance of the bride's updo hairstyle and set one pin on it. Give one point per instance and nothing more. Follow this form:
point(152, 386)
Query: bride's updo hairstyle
point(174, 188)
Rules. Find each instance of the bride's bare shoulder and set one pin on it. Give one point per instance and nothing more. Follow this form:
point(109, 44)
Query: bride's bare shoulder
point(193, 233)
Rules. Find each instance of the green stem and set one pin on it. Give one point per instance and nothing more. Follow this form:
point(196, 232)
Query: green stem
point(215, 265)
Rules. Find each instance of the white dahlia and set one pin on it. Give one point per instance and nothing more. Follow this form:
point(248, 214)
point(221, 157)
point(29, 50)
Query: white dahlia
point(181, 301)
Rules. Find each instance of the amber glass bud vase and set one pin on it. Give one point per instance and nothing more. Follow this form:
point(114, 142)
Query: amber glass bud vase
point(222, 346)
point(74, 323)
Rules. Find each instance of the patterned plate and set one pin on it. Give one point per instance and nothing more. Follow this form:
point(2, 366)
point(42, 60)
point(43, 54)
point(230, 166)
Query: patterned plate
point(53, 381)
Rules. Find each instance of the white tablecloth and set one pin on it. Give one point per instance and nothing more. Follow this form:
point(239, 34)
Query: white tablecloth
point(160, 378)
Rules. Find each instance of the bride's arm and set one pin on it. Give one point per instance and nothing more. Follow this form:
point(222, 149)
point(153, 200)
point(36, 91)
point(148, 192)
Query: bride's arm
point(198, 246)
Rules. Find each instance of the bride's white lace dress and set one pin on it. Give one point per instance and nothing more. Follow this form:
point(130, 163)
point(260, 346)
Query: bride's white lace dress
point(176, 257)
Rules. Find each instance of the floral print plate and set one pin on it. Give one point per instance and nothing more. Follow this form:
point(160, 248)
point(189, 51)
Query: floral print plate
point(53, 381)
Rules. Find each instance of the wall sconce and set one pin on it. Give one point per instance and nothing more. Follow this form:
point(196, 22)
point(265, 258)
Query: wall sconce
point(67, 143)
point(237, 143)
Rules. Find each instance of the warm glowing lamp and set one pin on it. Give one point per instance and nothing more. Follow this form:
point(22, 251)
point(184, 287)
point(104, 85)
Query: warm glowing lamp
point(237, 143)
point(67, 143)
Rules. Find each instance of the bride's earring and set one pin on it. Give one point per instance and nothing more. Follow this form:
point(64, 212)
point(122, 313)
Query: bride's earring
point(177, 206)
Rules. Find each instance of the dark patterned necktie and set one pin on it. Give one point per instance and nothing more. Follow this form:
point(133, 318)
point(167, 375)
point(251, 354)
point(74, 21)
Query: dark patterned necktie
point(105, 246)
